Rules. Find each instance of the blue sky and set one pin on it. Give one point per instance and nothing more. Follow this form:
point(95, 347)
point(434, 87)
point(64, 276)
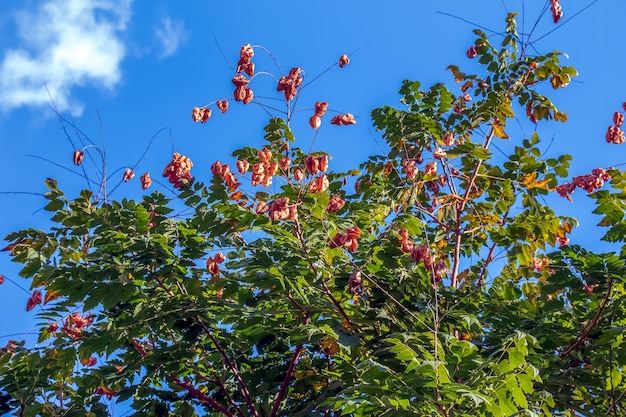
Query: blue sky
point(122, 70)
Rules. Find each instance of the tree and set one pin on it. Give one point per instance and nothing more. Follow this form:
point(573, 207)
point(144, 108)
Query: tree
point(435, 280)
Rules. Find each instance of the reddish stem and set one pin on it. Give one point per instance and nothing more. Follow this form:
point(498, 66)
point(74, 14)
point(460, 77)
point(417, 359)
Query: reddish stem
point(285, 384)
point(591, 325)
point(233, 368)
point(198, 395)
point(327, 291)
point(461, 206)
point(231, 365)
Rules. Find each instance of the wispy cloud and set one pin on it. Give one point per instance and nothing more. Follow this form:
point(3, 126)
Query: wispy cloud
point(170, 35)
point(64, 44)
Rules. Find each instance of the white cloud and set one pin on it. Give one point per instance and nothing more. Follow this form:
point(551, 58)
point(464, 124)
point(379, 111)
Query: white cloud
point(170, 35)
point(64, 44)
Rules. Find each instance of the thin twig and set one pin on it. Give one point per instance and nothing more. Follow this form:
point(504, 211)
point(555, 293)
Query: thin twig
point(591, 324)
point(63, 167)
point(460, 208)
point(219, 383)
point(566, 20)
point(326, 70)
point(286, 380)
point(229, 363)
point(200, 396)
point(470, 22)
point(489, 257)
point(219, 48)
point(298, 233)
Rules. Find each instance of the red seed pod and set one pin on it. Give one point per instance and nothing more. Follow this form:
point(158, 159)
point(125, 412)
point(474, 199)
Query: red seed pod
point(311, 163)
point(284, 164)
point(196, 114)
point(448, 139)
point(320, 108)
point(128, 175)
point(240, 93)
point(343, 60)
point(146, 181)
point(298, 174)
point(78, 157)
point(618, 118)
point(206, 115)
point(336, 203)
point(264, 155)
point(262, 207)
point(240, 81)
point(315, 122)
point(222, 105)
point(219, 257)
point(246, 52)
point(242, 166)
point(343, 119)
point(472, 52)
point(249, 96)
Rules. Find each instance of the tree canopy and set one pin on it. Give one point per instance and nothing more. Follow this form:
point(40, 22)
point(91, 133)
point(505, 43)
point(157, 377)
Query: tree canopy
point(434, 280)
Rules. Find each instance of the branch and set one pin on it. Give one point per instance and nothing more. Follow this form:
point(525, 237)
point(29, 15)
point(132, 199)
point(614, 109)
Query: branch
point(591, 325)
point(198, 395)
point(460, 208)
point(489, 258)
point(306, 312)
point(219, 383)
point(336, 303)
point(285, 383)
point(325, 288)
point(231, 365)
point(613, 406)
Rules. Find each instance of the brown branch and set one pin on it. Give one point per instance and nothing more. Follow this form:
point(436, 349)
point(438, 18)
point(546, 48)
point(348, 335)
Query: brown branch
point(200, 396)
point(489, 258)
point(232, 402)
point(611, 378)
point(614, 404)
point(591, 325)
point(340, 310)
point(461, 206)
point(299, 306)
point(286, 380)
point(231, 365)
point(336, 303)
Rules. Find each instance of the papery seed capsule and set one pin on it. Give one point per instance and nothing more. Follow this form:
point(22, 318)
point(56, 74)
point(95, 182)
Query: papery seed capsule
point(128, 175)
point(222, 105)
point(320, 108)
point(315, 122)
point(618, 118)
point(78, 157)
point(249, 96)
point(343, 60)
point(472, 52)
point(146, 181)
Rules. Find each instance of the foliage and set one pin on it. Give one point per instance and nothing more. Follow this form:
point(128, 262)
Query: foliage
point(443, 285)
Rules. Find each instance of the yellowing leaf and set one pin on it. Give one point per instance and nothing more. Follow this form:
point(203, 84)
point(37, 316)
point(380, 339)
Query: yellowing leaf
point(530, 181)
point(498, 130)
point(567, 227)
point(560, 116)
point(387, 169)
point(329, 346)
